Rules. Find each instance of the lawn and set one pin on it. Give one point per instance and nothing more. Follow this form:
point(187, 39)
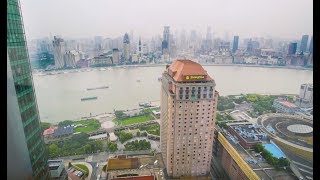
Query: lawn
point(149, 110)
point(151, 129)
point(90, 125)
point(132, 120)
point(83, 167)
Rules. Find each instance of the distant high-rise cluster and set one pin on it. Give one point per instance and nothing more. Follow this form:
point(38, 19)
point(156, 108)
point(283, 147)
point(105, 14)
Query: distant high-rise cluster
point(63, 57)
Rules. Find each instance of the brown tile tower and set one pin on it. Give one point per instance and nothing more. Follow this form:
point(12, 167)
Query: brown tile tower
point(188, 115)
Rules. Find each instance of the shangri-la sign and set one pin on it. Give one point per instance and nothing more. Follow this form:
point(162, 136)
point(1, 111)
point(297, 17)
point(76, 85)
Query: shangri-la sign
point(195, 77)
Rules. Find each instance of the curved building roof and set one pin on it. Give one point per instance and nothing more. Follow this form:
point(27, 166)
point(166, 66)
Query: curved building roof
point(188, 71)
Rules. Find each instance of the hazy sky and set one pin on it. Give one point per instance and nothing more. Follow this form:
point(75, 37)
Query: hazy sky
point(111, 18)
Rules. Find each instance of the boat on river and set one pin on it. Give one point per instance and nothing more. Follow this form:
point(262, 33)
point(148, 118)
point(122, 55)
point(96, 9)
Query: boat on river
point(102, 87)
point(89, 98)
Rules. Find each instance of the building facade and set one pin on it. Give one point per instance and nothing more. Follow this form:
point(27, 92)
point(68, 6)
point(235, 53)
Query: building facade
point(57, 170)
point(311, 45)
point(58, 52)
point(305, 98)
point(188, 114)
point(304, 43)
point(71, 58)
point(115, 56)
point(285, 106)
point(235, 44)
point(126, 48)
point(292, 48)
point(26, 151)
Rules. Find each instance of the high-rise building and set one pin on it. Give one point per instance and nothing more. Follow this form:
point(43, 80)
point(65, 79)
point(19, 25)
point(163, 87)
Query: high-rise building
point(71, 58)
point(126, 47)
point(311, 45)
point(304, 43)
point(249, 46)
point(292, 48)
point(98, 43)
point(235, 44)
point(166, 38)
point(139, 48)
point(188, 114)
point(58, 52)
point(115, 56)
point(26, 151)
point(166, 33)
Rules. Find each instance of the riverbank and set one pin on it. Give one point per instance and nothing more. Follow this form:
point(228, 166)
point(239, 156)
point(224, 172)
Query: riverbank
point(164, 64)
point(235, 65)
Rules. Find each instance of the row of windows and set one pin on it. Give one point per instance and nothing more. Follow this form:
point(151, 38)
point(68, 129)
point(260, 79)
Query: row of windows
point(23, 85)
point(14, 37)
point(187, 96)
point(17, 53)
point(13, 8)
point(29, 113)
point(194, 88)
point(26, 100)
point(30, 128)
point(20, 69)
point(34, 139)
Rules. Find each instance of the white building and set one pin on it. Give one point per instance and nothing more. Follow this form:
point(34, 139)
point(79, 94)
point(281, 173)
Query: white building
point(57, 169)
point(126, 48)
point(58, 52)
point(71, 58)
point(115, 56)
point(135, 58)
point(305, 98)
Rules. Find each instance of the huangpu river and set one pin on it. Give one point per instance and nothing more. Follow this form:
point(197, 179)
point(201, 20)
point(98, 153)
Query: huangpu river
point(59, 96)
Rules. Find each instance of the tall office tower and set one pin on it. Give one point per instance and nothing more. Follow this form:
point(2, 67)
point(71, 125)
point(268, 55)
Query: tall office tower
point(305, 98)
point(249, 46)
point(311, 45)
point(292, 48)
point(188, 114)
point(58, 52)
point(304, 43)
point(115, 56)
point(140, 47)
point(126, 47)
point(26, 151)
point(235, 44)
point(98, 43)
point(166, 35)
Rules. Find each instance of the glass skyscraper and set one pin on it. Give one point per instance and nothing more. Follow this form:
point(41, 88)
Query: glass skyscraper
point(235, 43)
point(304, 43)
point(27, 154)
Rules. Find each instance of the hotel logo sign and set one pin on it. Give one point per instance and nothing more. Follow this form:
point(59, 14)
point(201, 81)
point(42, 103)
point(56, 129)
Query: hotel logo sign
point(195, 77)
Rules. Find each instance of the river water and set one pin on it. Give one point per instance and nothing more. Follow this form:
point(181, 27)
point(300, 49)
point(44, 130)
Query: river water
point(59, 96)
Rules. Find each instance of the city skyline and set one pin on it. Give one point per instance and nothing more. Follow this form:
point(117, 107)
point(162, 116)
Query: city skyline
point(147, 19)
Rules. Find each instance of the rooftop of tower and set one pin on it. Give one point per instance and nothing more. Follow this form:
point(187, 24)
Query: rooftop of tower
point(187, 71)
